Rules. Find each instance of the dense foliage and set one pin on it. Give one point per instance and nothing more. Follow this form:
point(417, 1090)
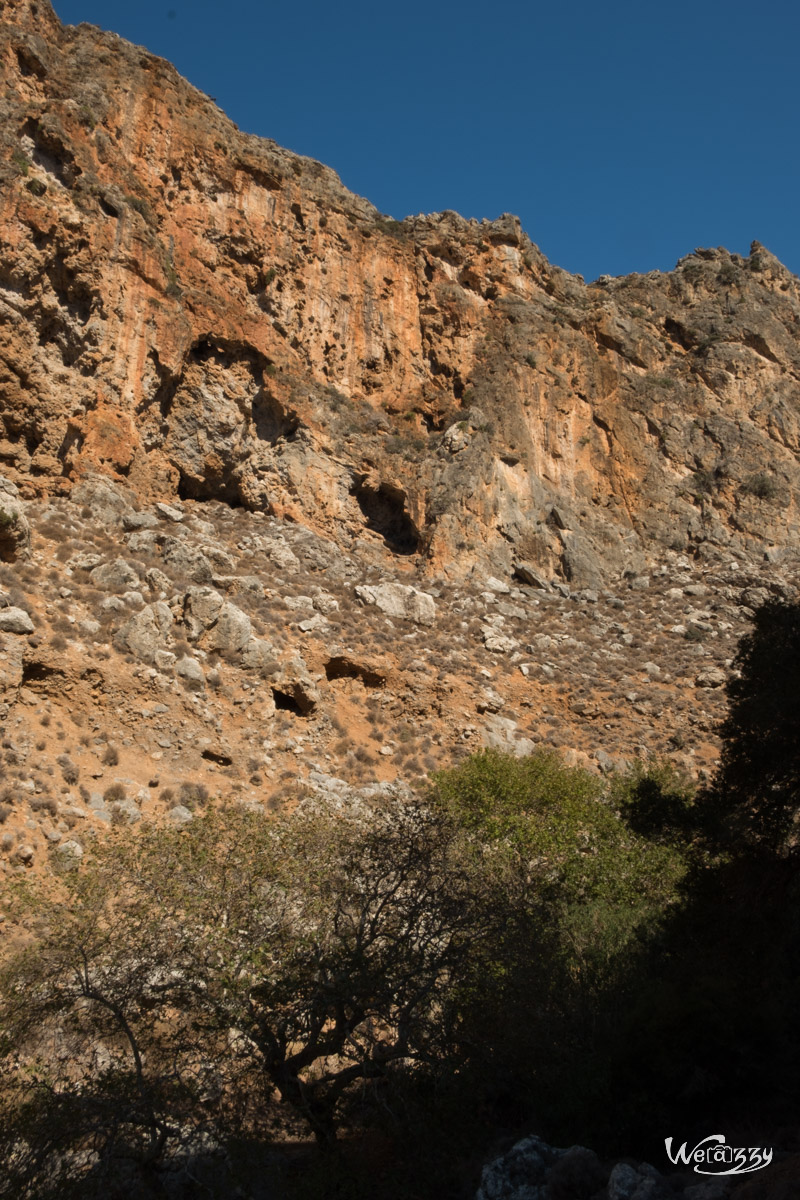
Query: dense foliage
point(526, 945)
point(755, 800)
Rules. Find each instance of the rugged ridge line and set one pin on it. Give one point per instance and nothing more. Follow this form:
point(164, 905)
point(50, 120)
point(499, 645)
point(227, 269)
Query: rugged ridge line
point(208, 316)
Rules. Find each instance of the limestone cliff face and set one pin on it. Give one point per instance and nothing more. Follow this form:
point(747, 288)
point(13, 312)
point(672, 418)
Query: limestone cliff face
point(210, 316)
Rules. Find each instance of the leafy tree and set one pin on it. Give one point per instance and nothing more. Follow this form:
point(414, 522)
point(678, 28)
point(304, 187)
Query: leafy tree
point(755, 798)
point(188, 976)
point(583, 869)
point(546, 1013)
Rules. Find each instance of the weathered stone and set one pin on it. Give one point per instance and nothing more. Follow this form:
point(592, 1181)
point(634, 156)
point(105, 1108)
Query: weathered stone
point(711, 677)
point(180, 815)
point(191, 673)
point(230, 632)
point(258, 655)
point(144, 634)
point(489, 701)
point(15, 620)
point(294, 683)
point(528, 574)
point(169, 512)
point(399, 600)
point(501, 733)
point(107, 499)
point(115, 576)
point(201, 608)
point(186, 560)
point(69, 854)
point(498, 642)
point(498, 586)
point(15, 531)
point(139, 520)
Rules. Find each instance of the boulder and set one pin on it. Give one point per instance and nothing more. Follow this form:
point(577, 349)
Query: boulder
point(15, 532)
point(169, 512)
point(69, 854)
point(221, 625)
point(187, 560)
point(145, 633)
point(115, 576)
point(190, 673)
point(295, 684)
point(528, 574)
point(131, 522)
point(258, 654)
point(712, 677)
point(201, 607)
point(107, 499)
point(180, 815)
point(399, 600)
point(500, 733)
point(15, 620)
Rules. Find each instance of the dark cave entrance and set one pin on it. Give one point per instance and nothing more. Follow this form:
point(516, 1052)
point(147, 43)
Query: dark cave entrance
point(299, 705)
point(385, 513)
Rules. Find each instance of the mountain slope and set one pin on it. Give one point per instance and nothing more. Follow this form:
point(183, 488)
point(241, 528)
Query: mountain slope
point(208, 316)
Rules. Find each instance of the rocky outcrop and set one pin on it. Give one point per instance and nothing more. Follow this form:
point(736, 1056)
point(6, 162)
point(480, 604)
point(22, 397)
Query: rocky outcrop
point(203, 314)
point(532, 1170)
point(15, 532)
point(399, 600)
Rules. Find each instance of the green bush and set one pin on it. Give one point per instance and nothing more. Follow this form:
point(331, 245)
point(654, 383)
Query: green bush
point(581, 881)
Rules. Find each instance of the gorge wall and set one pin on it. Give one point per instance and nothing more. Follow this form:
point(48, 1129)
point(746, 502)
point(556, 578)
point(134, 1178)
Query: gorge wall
point(205, 315)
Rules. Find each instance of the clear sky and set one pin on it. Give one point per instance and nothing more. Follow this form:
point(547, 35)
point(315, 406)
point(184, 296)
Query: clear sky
point(623, 133)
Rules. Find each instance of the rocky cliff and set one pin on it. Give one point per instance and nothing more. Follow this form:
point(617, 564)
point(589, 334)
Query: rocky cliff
point(205, 315)
point(295, 494)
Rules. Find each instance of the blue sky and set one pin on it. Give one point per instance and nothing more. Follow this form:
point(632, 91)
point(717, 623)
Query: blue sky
point(623, 133)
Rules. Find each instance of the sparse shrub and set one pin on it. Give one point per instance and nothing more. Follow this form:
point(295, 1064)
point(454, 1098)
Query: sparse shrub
point(114, 793)
point(69, 770)
point(110, 756)
point(761, 485)
point(21, 161)
point(660, 381)
point(44, 804)
point(192, 795)
point(704, 482)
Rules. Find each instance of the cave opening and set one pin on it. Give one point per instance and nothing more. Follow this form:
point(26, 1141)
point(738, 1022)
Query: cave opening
point(286, 703)
point(342, 667)
point(384, 511)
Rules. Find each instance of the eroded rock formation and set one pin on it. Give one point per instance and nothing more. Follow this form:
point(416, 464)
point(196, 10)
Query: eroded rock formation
point(208, 316)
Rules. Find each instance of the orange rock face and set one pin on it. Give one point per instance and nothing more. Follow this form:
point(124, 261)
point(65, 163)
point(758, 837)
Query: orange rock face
point(210, 316)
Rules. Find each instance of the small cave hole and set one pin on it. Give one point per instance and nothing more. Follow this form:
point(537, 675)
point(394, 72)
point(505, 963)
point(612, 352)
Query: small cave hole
point(272, 421)
point(222, 760)
point(287, 703)
point(384, 511)
point(344, 668)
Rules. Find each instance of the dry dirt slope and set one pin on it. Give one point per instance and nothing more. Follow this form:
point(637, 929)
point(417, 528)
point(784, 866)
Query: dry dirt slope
point(153, 655)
